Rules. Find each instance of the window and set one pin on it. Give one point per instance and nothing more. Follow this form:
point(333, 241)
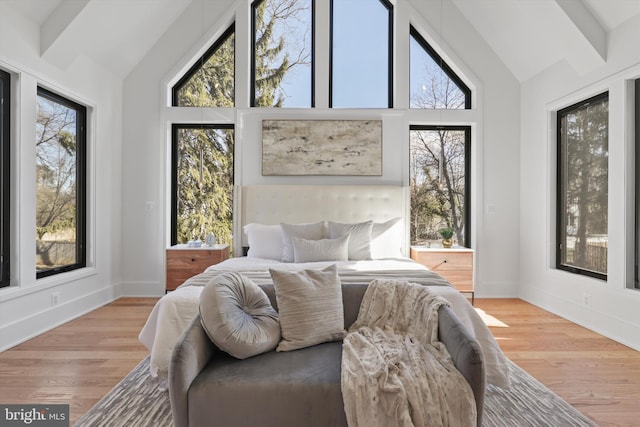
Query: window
point(432, 83)
point(582, 216)
point(439, 181)
point(282, 42)
point(361, 61)
point(202, 182)
point(60, 184)
point(636, 281)
point(211, 80)
point(5, 176)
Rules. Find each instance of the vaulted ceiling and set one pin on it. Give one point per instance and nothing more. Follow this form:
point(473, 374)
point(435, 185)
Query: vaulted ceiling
point(528, 35)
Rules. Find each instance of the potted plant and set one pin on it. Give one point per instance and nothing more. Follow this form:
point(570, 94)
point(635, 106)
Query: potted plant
point(447, 234)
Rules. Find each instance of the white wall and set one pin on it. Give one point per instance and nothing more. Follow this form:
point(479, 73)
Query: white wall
point(26, 306)
point(608, 307)
point(495, 121)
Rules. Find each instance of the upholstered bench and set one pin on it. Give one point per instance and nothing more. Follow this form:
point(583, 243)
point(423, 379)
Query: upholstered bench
point(208, 387)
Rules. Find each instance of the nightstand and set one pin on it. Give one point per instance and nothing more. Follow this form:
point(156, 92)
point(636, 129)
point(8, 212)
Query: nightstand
point(454, 264)
point(184, 262)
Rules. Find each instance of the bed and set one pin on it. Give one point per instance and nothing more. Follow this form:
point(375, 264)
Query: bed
point(262, 210)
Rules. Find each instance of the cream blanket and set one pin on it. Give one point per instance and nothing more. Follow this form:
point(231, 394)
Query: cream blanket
point(395, 372)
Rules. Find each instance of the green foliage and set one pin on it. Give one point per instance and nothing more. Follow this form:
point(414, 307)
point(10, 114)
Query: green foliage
point(446, 233)
point(213, 85)
point(269, 75)
point(205, 184)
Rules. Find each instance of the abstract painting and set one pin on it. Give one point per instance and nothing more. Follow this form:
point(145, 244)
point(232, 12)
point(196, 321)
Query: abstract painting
point(322, 147)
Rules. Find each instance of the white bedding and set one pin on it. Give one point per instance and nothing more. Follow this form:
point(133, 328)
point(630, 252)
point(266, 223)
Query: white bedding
point(174, 311)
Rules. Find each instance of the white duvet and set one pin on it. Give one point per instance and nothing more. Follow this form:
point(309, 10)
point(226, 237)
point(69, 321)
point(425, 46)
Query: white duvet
point(173, 312)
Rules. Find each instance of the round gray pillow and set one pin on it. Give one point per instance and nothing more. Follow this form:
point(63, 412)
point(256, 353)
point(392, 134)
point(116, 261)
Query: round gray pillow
point(238, 317)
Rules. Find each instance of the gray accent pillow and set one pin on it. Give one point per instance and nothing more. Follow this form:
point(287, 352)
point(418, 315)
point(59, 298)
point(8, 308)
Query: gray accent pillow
point(310, 305)
point(321, 250)
point(359, 240)
point(238, 317)
point(314, 231)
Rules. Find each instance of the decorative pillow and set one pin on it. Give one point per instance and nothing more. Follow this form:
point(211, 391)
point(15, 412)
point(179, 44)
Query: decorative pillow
point(265, 241)
point(238, 317)
point(359, 240)
point(313, 231)
point(321, 250)
point(386, 239)
point(310, 305)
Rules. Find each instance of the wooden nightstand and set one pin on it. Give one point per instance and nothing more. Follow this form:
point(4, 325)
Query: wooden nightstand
point(184, 262)
point(454, 264)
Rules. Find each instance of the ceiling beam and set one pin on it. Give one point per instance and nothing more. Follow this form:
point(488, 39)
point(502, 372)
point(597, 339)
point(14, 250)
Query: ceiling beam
point(52, 31)
point(587, 24)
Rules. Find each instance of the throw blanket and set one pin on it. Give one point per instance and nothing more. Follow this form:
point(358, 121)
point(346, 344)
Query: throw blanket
point(395, 372)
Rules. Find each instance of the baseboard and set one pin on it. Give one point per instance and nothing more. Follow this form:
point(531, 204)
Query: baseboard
point(614, 328)
point(141, 289)
point(24, 329)
point(496, 290)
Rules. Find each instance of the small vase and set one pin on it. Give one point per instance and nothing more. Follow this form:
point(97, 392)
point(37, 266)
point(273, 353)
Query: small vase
point(446, 243)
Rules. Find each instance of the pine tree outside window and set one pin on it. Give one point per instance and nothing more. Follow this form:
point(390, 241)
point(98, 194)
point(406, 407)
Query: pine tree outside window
point(202, 183)
point(211, 80)
point(282, 53)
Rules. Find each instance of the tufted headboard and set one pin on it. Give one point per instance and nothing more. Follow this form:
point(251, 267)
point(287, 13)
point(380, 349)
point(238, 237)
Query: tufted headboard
point(273, 204)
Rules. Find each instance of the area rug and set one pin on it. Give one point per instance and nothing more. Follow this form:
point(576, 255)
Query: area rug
point(138, 401)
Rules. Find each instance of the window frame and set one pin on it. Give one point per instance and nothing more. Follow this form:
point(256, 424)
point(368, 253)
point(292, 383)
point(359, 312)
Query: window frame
point(391, 60)
point(467, 171)
point(5, 178)
point(175, 128)
point(81, 183)
point(636, 246)
point(197, 65)
point(560, 190)
point(443, 66)
point(252, 85)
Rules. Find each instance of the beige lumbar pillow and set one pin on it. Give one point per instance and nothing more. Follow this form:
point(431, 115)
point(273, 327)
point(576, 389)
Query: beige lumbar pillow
point(238, 317)
point(310, 306)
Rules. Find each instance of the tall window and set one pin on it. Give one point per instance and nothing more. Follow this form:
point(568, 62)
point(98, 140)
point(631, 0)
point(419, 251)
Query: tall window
point(5, 176)
point(361, 54)
point(282, 41)
point(432, 83)
point(60, 184)
point(211, 80)
point(636, 281)
point(439, 181)
point(583, 163)
point(202, 182)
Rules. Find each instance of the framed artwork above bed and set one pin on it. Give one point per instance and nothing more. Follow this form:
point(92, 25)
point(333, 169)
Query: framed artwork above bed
point(322, 147)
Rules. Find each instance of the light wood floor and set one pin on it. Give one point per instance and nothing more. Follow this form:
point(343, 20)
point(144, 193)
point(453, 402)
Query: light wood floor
point(79, 362)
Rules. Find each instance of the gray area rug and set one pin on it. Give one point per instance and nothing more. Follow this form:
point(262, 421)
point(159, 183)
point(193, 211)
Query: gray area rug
point(138, 401)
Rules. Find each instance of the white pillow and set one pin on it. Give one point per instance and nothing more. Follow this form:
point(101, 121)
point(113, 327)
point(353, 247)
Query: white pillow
point(310, 305)
point(265, 241)
point(359, 240)
point(320, 250)
point(313, 231)
point(386, 239)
